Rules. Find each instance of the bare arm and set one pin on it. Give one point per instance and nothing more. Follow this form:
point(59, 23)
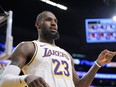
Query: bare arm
point(105, 57)
point(86, 80)
point(19, 57)
point(22, 54)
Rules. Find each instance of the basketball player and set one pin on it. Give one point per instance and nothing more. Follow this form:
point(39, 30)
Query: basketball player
point(45, 64)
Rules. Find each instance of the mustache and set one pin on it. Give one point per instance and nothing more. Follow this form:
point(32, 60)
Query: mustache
point(53, 35)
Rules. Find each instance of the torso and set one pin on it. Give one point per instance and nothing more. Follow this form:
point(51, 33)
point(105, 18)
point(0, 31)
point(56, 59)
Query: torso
point(51, 63)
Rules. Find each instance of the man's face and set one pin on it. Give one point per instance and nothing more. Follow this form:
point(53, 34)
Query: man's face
point(48, 26)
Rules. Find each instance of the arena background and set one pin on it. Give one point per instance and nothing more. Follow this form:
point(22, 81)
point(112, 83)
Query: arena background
point(72, 30)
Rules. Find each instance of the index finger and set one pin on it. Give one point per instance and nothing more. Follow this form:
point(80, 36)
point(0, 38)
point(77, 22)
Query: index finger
point(114, 53)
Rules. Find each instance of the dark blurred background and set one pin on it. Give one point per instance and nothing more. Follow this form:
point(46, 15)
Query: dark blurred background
point(71, 26)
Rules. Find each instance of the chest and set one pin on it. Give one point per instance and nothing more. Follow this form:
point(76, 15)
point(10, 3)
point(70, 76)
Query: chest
point(50, 55)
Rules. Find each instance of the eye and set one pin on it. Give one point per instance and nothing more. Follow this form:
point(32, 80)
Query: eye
point(56, 21)
point(48, 19)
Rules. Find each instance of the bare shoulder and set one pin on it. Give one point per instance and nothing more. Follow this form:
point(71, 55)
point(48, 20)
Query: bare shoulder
point(24, 47)
point(22, 52)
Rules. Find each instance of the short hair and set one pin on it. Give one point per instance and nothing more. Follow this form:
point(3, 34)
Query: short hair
point(40, 16)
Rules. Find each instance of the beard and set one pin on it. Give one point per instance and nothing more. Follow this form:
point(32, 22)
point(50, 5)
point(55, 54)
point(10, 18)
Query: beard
point(49, 34)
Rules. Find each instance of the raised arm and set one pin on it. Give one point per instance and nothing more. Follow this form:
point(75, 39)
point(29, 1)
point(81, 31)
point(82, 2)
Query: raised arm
point(104, 57)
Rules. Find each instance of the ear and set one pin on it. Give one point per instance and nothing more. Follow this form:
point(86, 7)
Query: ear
point(37, 24)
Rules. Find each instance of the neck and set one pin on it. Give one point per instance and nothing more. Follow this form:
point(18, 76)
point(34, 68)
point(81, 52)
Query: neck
point(47, 40)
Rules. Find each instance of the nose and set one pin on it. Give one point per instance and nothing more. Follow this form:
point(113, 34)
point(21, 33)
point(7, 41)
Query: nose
point(53, 22)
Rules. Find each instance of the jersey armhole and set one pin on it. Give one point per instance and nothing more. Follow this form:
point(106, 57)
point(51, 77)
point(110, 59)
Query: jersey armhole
point(35, 53)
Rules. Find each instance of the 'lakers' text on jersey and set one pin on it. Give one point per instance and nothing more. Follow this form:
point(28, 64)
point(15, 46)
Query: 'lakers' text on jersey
point(51, 63)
